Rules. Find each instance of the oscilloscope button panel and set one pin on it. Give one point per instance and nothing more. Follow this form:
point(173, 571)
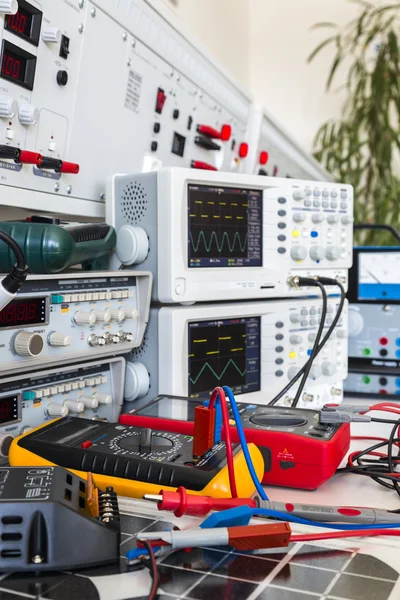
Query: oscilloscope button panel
point(91, 390)
point(217, 235)
point(58, 319)
point(256, 348)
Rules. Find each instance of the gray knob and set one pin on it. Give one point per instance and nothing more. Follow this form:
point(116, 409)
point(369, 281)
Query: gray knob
point(311, 337)
point(332, 253)
point(298, 217)
point(332, 219)
point(296, 339)
point(5, 443)
point(318, 218)
point(356, 322)
point(295, 318)
point(328, 368)
point(347, 219)
point(28, 344)
point(342, 334)
point(315, 372)
point(298, 252)
point(298, 195)
point(292, 372)
point(317, 252)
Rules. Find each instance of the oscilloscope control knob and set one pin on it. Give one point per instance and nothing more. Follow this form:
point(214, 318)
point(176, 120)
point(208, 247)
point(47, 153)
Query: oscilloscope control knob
point(342, 334)
point(298, 195)
point(132, 245)
point(75, 406)
point(295, 318)
point(298, 217)
point(28, 114)
point(89, 402)
point(332, 253)
point(315, 372)
point(5, 443)
point(84, 318)
point(147, 441)
point(332, 219)
point(317, 218)
point(8, 107)
point(28, 344)
point(117, 314)
point(8, 7)
point(292, 372)
point(347, 219)
point(328, 368)
point(59, 340)
point(295, 339)
point(298, 252)
point(103, 398)
point(317, 252)
point(57, 410)
point(137, 381)
point(51, 35)
point(104, 316)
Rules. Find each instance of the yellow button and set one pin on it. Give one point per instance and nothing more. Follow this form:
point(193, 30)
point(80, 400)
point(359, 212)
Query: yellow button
point(295, 233)
point(232, 422)
point(292, 354)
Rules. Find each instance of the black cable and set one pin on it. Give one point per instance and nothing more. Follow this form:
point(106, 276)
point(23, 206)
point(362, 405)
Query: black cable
point(16, 249)
point(152, 564)
point(322, 344)
point(316, 344)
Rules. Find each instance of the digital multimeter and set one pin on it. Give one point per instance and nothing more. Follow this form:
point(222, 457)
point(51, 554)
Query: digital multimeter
point(298, 450)
point(133, 460)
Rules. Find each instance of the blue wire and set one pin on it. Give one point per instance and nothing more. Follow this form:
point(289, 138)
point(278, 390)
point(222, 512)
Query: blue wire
point(243, 443)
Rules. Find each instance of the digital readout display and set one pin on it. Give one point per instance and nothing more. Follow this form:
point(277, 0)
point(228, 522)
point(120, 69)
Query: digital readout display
point(23, 312)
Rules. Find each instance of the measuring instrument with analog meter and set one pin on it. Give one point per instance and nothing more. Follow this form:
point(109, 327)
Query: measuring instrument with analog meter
point(134, 460)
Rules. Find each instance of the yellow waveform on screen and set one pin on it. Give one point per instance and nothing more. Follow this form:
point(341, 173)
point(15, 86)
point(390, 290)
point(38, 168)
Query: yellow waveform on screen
point(213, 352)
point(236, 349)
point(227, 337)
point(199, 341)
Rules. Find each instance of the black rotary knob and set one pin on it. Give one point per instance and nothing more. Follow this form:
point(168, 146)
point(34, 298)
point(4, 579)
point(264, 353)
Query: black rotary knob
point(146, 442)
point(62, 78)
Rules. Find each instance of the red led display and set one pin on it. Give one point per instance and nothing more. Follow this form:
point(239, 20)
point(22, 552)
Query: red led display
point(8, 409)
point(30, 311)
point(11, 66)
point(21, 22)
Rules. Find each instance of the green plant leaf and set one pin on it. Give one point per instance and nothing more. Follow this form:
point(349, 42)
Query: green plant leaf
point(324, 24)
point(320, 47)
point(335, 64)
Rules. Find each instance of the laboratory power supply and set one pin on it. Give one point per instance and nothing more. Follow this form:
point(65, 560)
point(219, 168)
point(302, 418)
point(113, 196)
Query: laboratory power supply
point(218, 236)
point(370, 381)
point(255, 347)
point(56, 114)
point(93, 390)
point(64, 318)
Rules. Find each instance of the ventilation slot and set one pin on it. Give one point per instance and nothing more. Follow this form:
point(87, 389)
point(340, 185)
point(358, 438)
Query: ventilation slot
point(11, 537)
point(15, 553)
point(11, 520)
point(133, 203)
point(142, 350)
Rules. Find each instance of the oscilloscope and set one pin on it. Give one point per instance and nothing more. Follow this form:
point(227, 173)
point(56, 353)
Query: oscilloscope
point(218, 236)
point(254, 347)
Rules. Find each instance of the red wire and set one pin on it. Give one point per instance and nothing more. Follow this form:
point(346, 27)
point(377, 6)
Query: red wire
point(343, 534)
point(218, 391)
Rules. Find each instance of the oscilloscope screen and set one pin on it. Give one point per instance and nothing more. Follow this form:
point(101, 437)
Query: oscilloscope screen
point(224, 227)
point(225, 352)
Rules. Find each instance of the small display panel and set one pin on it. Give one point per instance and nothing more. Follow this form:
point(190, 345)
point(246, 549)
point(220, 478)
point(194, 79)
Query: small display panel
point(9, 409)
point(26, 23)
point(224, 227)
point(17, 65)
point(379, 276)
point(24, 312)
point(224, 353)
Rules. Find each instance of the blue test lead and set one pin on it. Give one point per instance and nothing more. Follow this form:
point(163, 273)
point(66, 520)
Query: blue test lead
point(243, 443)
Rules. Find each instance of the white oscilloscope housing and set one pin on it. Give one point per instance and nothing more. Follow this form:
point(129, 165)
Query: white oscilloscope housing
point(279, 336)
point(294, 227)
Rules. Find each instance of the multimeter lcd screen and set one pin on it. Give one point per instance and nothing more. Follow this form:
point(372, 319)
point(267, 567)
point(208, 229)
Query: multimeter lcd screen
point(224, 350)
point(8, 409)
point(67, 432)
point(379, 276)
point(224, 227)
point(24, 312)
point(178, 409)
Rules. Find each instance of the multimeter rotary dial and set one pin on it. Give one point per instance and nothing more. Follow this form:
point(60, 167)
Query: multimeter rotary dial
point(147, 441)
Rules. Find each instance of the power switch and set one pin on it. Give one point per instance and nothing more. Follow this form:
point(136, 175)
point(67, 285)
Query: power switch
point(161, 98)
point(64, 47)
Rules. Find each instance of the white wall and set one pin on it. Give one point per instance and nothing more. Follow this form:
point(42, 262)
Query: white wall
point(222, 26)
point(279, 76)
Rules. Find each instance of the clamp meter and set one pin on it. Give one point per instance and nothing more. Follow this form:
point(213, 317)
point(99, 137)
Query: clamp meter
point(134, 460)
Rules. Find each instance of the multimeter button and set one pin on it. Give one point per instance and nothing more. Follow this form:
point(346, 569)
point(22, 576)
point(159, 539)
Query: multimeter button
point(89, 402)
point(86, 444)
point(103, 398)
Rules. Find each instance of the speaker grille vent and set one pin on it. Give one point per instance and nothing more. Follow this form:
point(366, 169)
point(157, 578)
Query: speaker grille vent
point(134, 203)
point(142, 350)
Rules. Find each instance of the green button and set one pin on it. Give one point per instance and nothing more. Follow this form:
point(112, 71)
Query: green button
point(29, 395)
point(57, 299)
point(367, 351)
point(366, 379)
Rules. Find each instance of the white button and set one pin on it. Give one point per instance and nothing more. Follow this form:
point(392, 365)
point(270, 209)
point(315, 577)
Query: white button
point(97, 380)
point(108, 295)
point(89, 382)
point(305, 233)
point(343, 255)
point(67, 298)
point(68, 387)
point(75, 298)
point(10, 135)
point(53, 390)
point(52, 146)
point(81, 385)
point(329, 234)
point(95, 296)
point(75, 385)
point(103, 379)
point(114, 295)
point(39, 393)
point(61, 389)
point(46, 391)
point(102, 296)
point(125, 294)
